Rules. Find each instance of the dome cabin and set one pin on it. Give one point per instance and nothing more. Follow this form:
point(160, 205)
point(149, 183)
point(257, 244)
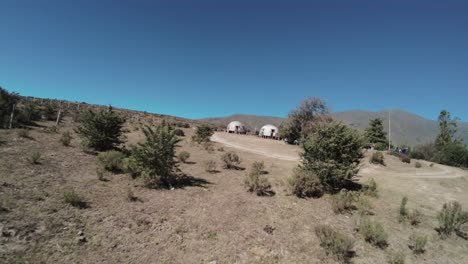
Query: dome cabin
point(236, 127)
point(269, 131)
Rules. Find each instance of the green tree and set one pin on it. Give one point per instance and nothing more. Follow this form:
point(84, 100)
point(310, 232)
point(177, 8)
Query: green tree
point(203, 133)
point(302, 120)
point(333, 152)
point(102, 130)
point(155, 159)
point(375, 133)
point(7, 100)
point(448, 128)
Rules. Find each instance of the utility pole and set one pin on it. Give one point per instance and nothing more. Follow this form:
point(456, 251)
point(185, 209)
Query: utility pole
point(389, 129)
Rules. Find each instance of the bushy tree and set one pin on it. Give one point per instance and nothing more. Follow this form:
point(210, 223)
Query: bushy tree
point(453, 154)
point(155, 159)
point(333, 151)
point(101, 130)
point(7, 100)
point(448, 128)
point(203, 133)
point(302, 120)
point(375, 133)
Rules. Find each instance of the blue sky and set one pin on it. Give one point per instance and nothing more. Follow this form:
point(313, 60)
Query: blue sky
point(214, 58)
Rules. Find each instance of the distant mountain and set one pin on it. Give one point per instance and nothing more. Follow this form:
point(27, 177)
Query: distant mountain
point(407, 128)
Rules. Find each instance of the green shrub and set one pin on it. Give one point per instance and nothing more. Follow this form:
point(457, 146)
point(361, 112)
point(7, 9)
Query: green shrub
point(305, 183)
point(364, 206)
point(184, 156)
point(373, 232)
point(7, 100)
point(179, 132)
point(396, 257)
point(101, 131)
point(418, 164)
point(415, 217)
point(154, 160)
point(35, 158)
point(203, 134)
point(405, 159)
point(230, 160)
point(130, 166)
point(100, 172)
point(344, 201)
point(370, 188)
point(256, 181)
point(333, 152)
point(210, 166)
point(451, 218)
point(377, 158)
point(334, 243)
point(66, 138)
point(417, 244)
point(111, 160)
point(74, 199)
point(403, 212)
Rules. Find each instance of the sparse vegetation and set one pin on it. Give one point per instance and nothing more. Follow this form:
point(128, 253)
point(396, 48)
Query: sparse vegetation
point(203, 134)
point(74, 199)
point(343, 201)
point(373, 232)
point(184, 156)
point(179, 132)
point(417, 244)
point(305, 183)
point(256, 181)
point(377, 158)
point(396, 257)
point(418, 164)
point(102, 130)
point(210, 166)
point(100, 172)
point(334, 243)
point(66, 139)
point(24, 133)
point(375, 134)
point(403, 212)
point(364, 206)
point(370, 188)
point(35, 158)
point(405, 159)
point(451, 218)
point(7, 100)
point(131, 197)
point(111, 160)
point(415, 217)
point(208, 146)
point(230, 160)
point(221, 149)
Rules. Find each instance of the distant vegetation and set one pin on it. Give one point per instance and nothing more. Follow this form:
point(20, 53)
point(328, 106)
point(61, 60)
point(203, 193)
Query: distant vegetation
point(375, 134)
point(203, 134)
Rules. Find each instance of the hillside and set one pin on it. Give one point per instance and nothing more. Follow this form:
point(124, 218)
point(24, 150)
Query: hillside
point(407, 128)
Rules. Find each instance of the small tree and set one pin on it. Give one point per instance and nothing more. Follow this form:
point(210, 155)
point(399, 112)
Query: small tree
point(7, 101)
point(375, 133)
point(155, 158)
point(448, 128)
point(333, 152)
point(203, 134)
point(102, 130)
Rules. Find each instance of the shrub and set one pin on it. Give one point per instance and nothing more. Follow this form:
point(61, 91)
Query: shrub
point(100, 172)
point(230, 160)
point(417, 244)
point(450, 218)
point(35, 158)
point(221, 149)
point(344, 201)
point(210, 166)
point(424, 152)
point(23, 133)
point(7, 100)
point(179, 132)
point(453, 154)
point(373, 232)
point(256, 181)
point(405, 159)
point(418, 164)
point(184, 156)
point(102, 130)
point(377, 158)
point(131, 197)
point(111, 160)
point(208, 146)
point(415, 217)
point(431, 165)
point(403, 212)
point(305, 183)
point(364, 206)
point(51, 129)
point(203, 134)
point(154, 159)
point(66, 139)
point(334, 243)
point(75, 200)
point(130, 166)
point(370, 188)
point(333, 152)
point(396, 257)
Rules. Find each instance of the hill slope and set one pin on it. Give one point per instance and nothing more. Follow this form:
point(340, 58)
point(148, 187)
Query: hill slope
point(407, 128)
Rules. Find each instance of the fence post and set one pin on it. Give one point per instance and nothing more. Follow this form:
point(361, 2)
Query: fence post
point(11, 116)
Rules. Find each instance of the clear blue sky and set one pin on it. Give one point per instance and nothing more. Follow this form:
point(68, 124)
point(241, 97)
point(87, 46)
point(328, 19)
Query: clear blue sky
point(207, 58)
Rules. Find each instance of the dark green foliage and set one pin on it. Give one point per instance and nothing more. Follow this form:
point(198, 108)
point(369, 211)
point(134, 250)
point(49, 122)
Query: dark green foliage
point(74, 199)
point(453, 154)
point(335, 243)
point(377, 158)
point(154, 159)
point(66, 139)
point(424, 152)
point(375, 133)
point(305, 183)
point(184, 156)
point(448, 128)
point(7, 100)
point(203, 134)
point(302, 120)
point(101, 130)
point(256, 181)
point(49, 113)
point(111, 160)
point(333, 152)
point(373, 232)
point(230, 160)
point(451, 218)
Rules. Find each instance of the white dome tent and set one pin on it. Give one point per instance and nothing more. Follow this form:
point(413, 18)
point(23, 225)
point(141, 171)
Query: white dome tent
point(236, 127)
point(269, 131)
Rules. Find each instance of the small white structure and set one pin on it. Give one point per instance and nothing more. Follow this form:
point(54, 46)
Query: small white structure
point(236, 127)
point(269, 131)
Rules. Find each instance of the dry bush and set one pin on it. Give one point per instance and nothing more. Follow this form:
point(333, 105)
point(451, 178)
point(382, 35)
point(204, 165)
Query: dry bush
point(451, 218)
point(179, 132)
point(417, 244)
point(396, 257)
point(305, 183)
point(66, 139)
point(373, 232)
point(100, 172)
point(230, 160)
point(23, 133)
point(364, 206)
point(418, 164)
point(370, 188)
point(256, 181)
point(415, 217)
point(184, 156)
point(221, 149)
point(74, 199)
point(334, 243)
point(210, 166)
point(377, 158)
point(111, 160)
point(35, 158)
point(405, 159)
point(131, 197)
point(344, 201)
